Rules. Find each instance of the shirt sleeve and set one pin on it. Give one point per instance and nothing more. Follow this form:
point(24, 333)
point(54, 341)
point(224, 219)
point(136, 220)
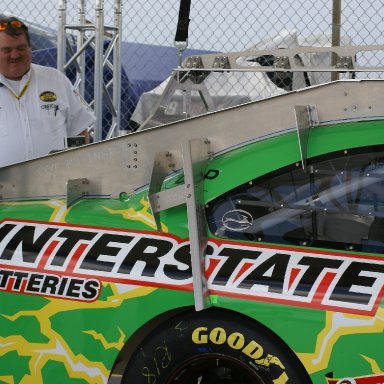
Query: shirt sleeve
point(80, 115)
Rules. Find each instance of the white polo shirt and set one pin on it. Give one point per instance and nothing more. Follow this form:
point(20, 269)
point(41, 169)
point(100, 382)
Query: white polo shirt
point(46, 112)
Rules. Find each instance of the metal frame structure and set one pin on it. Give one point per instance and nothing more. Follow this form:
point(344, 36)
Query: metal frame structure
point(120, 166)
point(190, 77)
point(125, 164)
point(106, 42)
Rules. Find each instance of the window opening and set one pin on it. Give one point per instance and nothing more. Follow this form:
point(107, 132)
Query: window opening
point(338, 204)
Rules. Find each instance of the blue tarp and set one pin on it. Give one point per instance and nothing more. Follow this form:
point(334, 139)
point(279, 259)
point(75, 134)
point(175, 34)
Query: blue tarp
point(144, 67)
point(149, 65)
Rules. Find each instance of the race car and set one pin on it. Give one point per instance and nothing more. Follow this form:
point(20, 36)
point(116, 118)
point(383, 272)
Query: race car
point(241, 246)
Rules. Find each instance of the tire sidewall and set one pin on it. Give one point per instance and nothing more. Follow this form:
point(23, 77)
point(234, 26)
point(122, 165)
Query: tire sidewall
point(214, 333)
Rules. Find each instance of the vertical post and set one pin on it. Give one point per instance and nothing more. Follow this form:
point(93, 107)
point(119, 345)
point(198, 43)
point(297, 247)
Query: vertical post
point(98, 75)
point(195, 157)
point(336, 26)
point(61, 41)
point(117, 66)
point(81, 10)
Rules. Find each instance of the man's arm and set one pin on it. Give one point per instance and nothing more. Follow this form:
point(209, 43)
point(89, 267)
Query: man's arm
point(86, 135)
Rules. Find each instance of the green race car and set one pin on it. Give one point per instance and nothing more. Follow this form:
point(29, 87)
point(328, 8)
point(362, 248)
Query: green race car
point(242, 246)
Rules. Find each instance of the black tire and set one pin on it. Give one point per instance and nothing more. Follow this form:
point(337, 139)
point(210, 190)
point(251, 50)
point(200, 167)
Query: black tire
point(213, 347)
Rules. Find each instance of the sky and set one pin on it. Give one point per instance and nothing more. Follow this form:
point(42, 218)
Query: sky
point(218, 25)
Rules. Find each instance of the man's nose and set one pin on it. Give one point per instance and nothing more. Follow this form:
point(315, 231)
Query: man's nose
point(14, 53)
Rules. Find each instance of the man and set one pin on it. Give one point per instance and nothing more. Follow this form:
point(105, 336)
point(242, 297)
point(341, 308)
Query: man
point(38, 107)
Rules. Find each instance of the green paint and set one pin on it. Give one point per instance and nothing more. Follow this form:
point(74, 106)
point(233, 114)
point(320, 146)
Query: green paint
point(113, 315)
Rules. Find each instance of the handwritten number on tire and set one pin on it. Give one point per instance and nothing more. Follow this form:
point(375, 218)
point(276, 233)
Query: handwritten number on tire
point(161, 359)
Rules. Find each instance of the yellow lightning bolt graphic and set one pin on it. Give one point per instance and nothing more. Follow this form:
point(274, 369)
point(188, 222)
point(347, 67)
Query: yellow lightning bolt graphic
point(338, 325)
point(77, 366)
point(107, 345)
point(56, 348)
point(6, 380)
point(143, 215)
point(374, 366)
point(58, 206)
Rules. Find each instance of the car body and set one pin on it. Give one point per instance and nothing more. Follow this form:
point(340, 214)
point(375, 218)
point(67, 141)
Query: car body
point(247, 239)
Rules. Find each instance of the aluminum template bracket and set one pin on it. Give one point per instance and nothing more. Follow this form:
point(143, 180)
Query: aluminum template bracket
point(306, 118)
point(76, 189)
point(196, 155)
point(161, 200)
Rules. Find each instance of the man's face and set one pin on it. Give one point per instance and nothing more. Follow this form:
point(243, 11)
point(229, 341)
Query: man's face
point(15, 56)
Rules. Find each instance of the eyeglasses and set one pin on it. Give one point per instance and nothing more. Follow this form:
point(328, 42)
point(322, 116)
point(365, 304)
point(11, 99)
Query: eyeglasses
point(14, 23)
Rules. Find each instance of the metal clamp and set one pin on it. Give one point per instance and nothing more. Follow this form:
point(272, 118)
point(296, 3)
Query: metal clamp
point(282, 62)
point(344, 62)
point(76, 189)
point(197, 77)
point(221, 62)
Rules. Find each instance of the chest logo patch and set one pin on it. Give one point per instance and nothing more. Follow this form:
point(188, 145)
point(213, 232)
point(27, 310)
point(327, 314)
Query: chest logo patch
point(48, 96)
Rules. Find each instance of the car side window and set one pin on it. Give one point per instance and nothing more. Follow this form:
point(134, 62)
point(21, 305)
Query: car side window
point(337, 203)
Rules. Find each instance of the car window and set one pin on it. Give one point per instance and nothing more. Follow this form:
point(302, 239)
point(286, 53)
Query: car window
point(337, 203)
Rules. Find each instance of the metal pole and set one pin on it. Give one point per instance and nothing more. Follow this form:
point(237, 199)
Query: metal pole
point(81, 10)
point(61, 42)
point(336, 26)
point(117, 66)
point(98, 84)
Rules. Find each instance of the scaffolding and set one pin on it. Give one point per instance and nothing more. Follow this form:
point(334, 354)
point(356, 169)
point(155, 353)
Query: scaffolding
point(105, 42)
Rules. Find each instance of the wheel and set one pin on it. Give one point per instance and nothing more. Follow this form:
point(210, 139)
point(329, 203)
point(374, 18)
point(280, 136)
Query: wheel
point(213, 347)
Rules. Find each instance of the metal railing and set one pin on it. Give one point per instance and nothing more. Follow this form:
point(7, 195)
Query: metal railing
point(105, 43)
point(145, 47)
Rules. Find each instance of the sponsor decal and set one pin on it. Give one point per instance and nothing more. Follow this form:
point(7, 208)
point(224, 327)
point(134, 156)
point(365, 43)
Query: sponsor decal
point(237, 220)
point(49, 285)
point(336, 281)
point(374, 379)
point(48, 96)
point(237, 341)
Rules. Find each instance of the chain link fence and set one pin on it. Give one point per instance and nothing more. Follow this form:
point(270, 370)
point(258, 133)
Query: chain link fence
point(149, 26)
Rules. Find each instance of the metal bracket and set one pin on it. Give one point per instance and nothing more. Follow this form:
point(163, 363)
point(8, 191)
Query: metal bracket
point(76, 189)
point(160, 200)
point(306, 118)
point(344, 62)
point(282, 62)
point(196, 155)
point(180, 46)
point(197, 77)
point(221, 62)
point(178, 82)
